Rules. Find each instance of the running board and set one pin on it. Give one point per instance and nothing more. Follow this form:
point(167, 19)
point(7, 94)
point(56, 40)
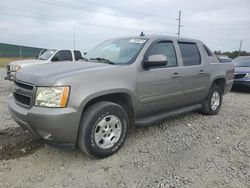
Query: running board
point(159, 117)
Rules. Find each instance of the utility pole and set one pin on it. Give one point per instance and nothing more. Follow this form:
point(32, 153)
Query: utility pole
point(20, 52)
point(179, 24)
point(74, 36)
point(240, 46)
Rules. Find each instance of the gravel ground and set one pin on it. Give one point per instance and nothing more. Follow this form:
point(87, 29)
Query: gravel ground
point(191, 150)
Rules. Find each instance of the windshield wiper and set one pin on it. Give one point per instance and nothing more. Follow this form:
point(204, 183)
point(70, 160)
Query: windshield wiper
point(100, 59)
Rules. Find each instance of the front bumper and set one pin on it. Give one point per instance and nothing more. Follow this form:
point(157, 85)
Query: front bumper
point(56, 126)
point(9, 77)
point(242, 82)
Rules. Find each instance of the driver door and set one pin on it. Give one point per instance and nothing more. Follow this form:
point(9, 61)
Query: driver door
point(160, 88)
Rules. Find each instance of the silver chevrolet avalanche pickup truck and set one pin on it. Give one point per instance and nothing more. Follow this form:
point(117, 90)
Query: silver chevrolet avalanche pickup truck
point(123, 82)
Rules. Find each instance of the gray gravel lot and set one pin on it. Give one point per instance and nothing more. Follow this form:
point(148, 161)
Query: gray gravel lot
point(191, 150)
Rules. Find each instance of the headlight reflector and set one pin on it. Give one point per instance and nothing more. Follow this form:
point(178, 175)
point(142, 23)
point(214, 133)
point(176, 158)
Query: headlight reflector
point(55, 97)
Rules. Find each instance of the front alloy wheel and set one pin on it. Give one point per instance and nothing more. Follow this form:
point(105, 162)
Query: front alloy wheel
point(103, 129)
point(108, 131)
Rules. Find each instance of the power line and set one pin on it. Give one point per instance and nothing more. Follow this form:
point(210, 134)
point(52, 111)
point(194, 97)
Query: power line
point(210, 33)
point(82, 23)
point(126, 10)
point(89, 10)
point(138, 12)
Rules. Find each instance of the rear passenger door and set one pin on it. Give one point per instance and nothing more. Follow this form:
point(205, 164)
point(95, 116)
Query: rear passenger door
point(62, 55)
point(160, 88)
point(195, 73)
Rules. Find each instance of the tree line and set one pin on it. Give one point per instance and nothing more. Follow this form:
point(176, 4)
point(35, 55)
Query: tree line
point(232, 54)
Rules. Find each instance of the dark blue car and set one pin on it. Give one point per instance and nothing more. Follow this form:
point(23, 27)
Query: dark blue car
point(242, 71)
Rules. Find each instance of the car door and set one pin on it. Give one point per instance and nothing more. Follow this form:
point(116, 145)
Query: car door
point(195, 73)
point(160, 88)
point(62, 55)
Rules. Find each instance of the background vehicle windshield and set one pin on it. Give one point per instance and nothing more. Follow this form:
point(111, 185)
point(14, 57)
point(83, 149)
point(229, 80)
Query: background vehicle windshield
point(46, 55)
point(242, 62)
point(118, 51)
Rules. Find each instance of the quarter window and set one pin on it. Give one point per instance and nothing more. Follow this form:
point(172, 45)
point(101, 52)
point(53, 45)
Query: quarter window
point(78, 55)
point(190, 54)
point(166, 49)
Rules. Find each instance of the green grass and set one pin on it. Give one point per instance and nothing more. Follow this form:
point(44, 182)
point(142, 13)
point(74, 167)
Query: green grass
point(4, 61)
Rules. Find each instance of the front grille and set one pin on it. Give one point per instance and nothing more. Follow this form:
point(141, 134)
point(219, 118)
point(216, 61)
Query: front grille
point(22, 85)
point(23, 93)
point(238, 76)
point(8, 70)
point(22, 99)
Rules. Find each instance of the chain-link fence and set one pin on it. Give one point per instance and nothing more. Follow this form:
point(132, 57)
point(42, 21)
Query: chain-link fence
point(15, 51)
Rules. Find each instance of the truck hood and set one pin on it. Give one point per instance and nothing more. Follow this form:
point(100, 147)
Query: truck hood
point(242, 69)
point(25, 63)
point(47, 74)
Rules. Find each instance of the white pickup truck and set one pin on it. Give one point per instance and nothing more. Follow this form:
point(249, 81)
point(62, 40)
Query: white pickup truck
point(47, 57)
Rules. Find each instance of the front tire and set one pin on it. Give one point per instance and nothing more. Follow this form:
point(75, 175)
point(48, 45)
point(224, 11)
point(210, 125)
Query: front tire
point(103, 129)
point(212, 104)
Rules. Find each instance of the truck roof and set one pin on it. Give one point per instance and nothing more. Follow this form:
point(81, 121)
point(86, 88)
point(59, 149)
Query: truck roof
point(164, 37)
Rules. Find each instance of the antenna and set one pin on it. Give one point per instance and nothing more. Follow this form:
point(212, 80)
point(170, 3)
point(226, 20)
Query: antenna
point(142, 34)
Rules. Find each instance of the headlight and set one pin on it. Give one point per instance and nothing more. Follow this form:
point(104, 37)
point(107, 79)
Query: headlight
point(18, 68)
point(55, 97)
point(15, 68)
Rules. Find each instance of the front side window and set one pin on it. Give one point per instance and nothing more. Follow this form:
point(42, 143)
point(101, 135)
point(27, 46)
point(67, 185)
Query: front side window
point(190, 54)
point(63, 55)
point(167, 49)
point(117, 51)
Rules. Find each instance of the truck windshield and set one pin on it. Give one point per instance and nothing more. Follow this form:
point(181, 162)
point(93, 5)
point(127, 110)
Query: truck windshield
point(117, 51)
point(242, 62)
point(46, 55)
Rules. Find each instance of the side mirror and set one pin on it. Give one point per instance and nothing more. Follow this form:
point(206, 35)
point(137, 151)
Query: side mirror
point(157, 60)
point(55, 58)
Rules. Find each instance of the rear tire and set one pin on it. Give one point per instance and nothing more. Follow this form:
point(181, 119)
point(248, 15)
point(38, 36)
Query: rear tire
point(103, 129)
point(212, 104)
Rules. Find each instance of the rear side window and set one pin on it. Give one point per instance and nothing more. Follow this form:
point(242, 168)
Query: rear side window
point(167, 49)
point(63, 55)
point(78, 55)
point(208, 51)
point(190, 54)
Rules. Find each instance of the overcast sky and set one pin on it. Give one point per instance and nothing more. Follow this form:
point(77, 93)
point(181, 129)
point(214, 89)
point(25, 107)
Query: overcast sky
point(221, 24)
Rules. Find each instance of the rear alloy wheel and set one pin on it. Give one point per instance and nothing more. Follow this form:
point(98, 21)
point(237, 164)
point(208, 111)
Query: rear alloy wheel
point(212, 104)
point(103, 129)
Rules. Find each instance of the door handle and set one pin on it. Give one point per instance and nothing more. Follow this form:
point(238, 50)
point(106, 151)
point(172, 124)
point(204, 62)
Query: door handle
point(176, 75)
point(202, 72)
